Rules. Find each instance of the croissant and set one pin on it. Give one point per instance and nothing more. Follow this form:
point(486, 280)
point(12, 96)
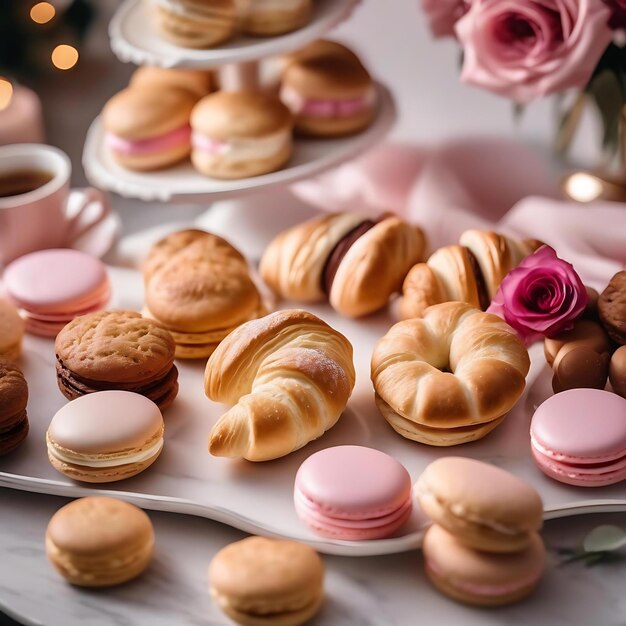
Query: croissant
point(470, 272)
point(289, 376)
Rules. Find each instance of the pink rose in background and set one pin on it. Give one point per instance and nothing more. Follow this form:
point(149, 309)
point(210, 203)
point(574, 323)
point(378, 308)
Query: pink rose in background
point(541, 297)
point(443, 14)
point(525, 49)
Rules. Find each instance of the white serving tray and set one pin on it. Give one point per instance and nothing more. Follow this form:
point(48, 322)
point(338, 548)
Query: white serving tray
point(183, 183)
point(257, 497)
point(134, 38)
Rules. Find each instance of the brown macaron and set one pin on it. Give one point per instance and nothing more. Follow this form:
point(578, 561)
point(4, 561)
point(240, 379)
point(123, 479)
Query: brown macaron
point(13, 400)
point(116, 350)
point(612, 308)
point(617, 371)
point(240, 134)
point(329, 91)
point(197, 82)
point(147, 127)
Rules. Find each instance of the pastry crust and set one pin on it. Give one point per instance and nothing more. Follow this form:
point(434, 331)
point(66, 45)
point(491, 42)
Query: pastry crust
point(289, 376)
point(268, 22)
point(456, 367)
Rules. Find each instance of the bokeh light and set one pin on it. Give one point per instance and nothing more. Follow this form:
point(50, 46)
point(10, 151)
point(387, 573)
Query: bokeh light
point(6, 93)
point(64, 57)
point(42, 12)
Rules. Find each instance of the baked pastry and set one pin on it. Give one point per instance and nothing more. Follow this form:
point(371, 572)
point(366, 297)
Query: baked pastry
point(329, 91)
point(267, 582)
point(470, 272)
point(240, 134)
point(198, 287)
point(147, 127)
point(579, 357)
point(449, 377)
point(52, 287)
point(617, 371)
point(116, 350)
point(195, 23)
point(355, 262)
point(612, 308)
point(105, 436)
point(13, 400)
point(289, 376)
point(99, 541)
point(274, 17)
point(11, 331)
point(197, 82)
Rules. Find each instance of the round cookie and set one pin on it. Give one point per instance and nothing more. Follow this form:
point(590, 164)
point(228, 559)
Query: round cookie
point(612, 307)
point(11, 331)
point(99, 541)
point(481, 578)
point(267, 582)
point(116, 350)
point(483, 506)
point(13, 401)
point(353, 493)
point(275, 17)
point(197, 82)
point(105, 436)
point(617, 371)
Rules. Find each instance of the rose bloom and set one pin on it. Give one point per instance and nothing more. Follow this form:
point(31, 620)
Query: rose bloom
point(618, 13)
point(525, 49)
point(443, 14)
point(543, 296)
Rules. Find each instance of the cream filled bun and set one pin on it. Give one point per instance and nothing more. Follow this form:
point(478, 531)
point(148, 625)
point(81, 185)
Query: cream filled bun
point(198, 82)
point(273, 17)
point(148, 128)
point(328, 90)
point(240, 134)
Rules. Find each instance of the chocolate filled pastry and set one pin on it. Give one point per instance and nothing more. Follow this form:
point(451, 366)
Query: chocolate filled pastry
point(579, 357)
point(612, 308)
point(355, 262)
point(470, 272)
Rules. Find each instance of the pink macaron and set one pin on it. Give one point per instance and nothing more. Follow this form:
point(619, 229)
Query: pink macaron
point(52, 287)
point(353, 493)
point(578, 437)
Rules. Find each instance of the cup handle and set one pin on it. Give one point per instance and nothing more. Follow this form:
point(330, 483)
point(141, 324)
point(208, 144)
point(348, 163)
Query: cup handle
point(85, 208)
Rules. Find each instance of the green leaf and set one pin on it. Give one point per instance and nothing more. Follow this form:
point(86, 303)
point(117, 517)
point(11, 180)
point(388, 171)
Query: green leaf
point(607, 93)
point(605, 538)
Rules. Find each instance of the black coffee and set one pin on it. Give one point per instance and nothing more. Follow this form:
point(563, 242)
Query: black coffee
point(22, 181)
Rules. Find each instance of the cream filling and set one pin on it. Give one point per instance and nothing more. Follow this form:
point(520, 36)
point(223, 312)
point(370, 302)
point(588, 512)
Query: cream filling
point(137, 457)
point(241, 149)
point(254, 7)
point(296, 103)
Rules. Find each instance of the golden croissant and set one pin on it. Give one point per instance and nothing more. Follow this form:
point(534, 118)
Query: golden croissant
point(289, 376)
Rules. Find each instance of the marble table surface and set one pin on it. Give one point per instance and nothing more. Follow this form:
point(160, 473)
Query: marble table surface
point(366, 591)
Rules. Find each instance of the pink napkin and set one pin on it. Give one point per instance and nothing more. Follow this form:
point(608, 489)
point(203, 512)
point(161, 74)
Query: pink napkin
point(482, 183)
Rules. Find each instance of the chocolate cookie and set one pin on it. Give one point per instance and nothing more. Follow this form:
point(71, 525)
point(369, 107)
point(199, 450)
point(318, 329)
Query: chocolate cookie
point(617, 371)
point(612, 307)
point(13, 400)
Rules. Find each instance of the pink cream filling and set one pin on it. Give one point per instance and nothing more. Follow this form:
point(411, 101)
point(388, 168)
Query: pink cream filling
point(333, 108)
point(209, 145)
point(129, 147)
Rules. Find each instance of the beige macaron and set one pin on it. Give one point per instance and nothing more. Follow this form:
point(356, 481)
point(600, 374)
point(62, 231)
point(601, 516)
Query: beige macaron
point(485, 507)
point(147, 127)
point(240, 134)
point(11, 330)
point(198, 82)
point(274, 17)
point(267, 582)
point(99, 541)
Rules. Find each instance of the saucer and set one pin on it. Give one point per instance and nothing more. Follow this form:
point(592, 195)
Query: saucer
point(100, 238)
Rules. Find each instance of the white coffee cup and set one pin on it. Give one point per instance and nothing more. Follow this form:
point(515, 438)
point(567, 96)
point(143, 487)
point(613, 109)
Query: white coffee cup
point(50, 216)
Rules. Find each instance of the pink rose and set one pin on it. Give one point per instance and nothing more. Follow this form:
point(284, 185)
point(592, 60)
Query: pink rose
point(525, 49)
point(618, 13)
point(541, 297)
point(443, 14)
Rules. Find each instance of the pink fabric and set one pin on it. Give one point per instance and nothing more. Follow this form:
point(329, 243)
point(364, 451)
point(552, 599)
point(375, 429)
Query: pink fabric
point(478, 183)
point(525, 49)
point(129, 147)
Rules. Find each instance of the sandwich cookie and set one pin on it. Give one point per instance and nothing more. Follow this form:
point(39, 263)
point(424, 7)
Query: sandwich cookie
point(99, 541)
point(52, 287)
point(274, 17)
point(612, 308)
point(198, 287)
point(329, 92)
point(195, 23)
point(240, 134)
point(13, 401)
point(481, 578)
point(105, 436)
point(483, 506)
point(578, 437)
point(147, 127)
point(353, 493)
point(357, 263)
point(197, 82)
point(267, 582)
point(11, 331)
point(116, 350)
